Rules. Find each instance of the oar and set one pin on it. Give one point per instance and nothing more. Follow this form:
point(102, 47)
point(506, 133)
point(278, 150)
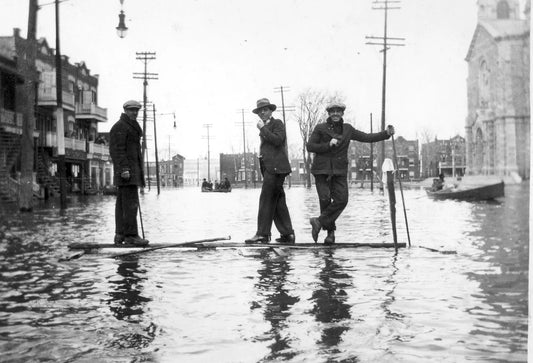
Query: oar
point(401, 191)
point(182, 244)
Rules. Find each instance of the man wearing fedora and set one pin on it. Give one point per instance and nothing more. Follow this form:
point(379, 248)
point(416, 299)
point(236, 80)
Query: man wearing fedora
point(275, 167)
point(330, 142)
point(125, 150)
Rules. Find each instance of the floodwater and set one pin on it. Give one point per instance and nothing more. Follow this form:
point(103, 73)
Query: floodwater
point(458, 294)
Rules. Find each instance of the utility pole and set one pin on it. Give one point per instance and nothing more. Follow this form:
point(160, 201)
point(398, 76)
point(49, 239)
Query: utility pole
point(207, 126)
point(371, 159)
point(145, 76)
point(289, 108)
point(28, 100)
point(156, 156)
point(244, 149)
point(384, 42)
point(60, 128)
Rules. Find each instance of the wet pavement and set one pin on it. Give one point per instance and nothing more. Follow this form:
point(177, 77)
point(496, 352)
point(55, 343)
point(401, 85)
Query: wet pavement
point(467, 302)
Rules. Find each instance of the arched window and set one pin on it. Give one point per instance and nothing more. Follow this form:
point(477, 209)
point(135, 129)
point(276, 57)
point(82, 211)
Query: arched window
point(502, 10)
point(483, 84)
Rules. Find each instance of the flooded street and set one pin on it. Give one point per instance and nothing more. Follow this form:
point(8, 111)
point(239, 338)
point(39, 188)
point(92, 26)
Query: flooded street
point(468, 302)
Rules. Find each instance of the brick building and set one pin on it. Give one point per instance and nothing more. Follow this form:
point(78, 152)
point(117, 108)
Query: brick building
point(498, 121)
point(443, 156)
point(87, 161)
point(232, 166)
point(171, 172)
point(406, 151)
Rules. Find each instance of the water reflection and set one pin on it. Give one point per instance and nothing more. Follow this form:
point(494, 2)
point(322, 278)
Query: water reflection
point(127, 302)
point(330, 301)
point(504, 282)
point(276, 301)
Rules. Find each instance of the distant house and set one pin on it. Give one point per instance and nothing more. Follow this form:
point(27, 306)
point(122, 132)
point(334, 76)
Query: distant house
point(444, 156)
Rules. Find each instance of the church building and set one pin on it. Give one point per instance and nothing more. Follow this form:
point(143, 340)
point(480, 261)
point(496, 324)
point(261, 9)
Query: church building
point(498, 120)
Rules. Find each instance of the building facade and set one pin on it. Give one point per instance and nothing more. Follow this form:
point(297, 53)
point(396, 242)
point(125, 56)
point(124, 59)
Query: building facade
point(171, 172)
point(444, 156)
point(498, 120)
point(237, 169)
point(362, 164)
point(88, 165)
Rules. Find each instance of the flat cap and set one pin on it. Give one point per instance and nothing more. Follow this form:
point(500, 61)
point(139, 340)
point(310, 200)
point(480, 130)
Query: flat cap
point(132, 104)
point(333, 105)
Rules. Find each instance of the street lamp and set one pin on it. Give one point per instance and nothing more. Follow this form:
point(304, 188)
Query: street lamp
point(122, 29)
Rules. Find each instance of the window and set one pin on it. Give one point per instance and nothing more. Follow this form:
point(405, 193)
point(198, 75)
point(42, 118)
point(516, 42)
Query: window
point(502, 10)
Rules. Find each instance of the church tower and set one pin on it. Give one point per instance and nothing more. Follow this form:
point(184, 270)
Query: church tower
point(498, 9)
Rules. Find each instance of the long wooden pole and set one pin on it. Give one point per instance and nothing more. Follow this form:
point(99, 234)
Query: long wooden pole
point(392, 203)
point(191, 243)
point(401, 190)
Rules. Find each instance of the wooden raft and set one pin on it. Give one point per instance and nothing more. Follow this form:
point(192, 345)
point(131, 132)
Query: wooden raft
point(213, 245)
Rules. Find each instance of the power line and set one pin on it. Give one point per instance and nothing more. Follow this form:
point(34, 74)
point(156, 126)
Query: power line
point(145, 76)
point(386, 42)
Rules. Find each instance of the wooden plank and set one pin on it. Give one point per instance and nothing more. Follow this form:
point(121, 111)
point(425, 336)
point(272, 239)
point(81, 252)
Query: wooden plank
point(98, 246)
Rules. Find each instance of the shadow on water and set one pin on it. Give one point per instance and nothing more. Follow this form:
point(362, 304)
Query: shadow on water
point(276, 302)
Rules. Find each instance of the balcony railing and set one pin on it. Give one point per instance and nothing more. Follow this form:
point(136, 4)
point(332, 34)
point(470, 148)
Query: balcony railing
point(91, 110)
point(98, 149)
point(10, 118)
point(47, 97)
point(75, 144)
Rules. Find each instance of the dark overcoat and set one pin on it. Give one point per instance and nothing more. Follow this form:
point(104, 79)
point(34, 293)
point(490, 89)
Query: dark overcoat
point(272, 151)
point(125, 149)
point(333, 160)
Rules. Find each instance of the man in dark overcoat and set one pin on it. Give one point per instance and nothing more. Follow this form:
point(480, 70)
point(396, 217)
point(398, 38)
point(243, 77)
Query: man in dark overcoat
point(275, 166)
point(125, 150)
point(330, 142)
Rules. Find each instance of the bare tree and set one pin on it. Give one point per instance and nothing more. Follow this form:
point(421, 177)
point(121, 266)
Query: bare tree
point(427, 137)
point(310, 110)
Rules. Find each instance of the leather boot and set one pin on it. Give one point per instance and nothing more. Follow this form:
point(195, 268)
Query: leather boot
point(315, 228)
point(119, 239)
point(136, 241)
point(330, 239)
point(286, 238)
point(258, 239)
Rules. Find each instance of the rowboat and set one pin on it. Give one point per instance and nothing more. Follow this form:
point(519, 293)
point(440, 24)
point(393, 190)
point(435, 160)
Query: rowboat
point(205, 190)
point(469, 192)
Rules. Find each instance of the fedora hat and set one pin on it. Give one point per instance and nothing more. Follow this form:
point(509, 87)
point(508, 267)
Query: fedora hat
point(333, 105)
point(264, 102)
point(132, 104)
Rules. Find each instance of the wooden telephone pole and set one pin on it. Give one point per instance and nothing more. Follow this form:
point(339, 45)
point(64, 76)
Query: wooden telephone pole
point(208, 137)
point(27, 144)
point(145, 76)
point(385, 41)
point(280, 89)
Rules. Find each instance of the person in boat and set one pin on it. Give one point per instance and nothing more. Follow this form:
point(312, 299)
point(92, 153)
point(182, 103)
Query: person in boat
point(438, 184)
point(330, 141)
point(125, 151)
point(275, 166)
point(226, 184)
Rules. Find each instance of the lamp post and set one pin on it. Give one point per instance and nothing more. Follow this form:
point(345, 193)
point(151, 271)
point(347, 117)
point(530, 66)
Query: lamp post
point(122, 29)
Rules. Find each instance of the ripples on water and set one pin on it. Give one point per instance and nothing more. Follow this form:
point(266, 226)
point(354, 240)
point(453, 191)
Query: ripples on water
point(251, 305)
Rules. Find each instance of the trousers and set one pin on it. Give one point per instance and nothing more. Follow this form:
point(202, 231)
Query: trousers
point(273, 206)
point(333, 197)
point(126, 208)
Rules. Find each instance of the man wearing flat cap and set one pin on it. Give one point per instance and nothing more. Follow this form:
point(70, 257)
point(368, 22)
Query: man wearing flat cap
point(330, 141)
point(125, 150)
point(275, 167)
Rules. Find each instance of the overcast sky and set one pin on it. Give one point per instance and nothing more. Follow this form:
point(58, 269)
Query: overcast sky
point(215, 57)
